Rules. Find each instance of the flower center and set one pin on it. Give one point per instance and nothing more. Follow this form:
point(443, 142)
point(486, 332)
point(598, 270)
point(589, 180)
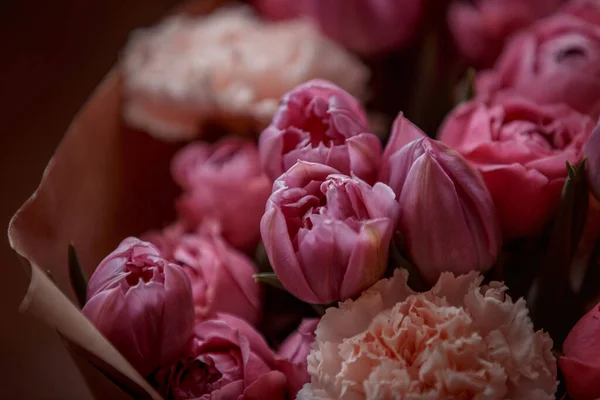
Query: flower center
point(137, 273)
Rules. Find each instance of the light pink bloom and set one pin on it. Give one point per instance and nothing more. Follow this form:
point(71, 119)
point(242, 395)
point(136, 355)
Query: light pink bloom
point(458, 340)
point(592, 151)
point(320, 122)
point(516, 143)
point(364, 26)
point(326, 234)
point(221, 277)
point(447, 217)
point(226, 66)
point(556, 60)
point(227, 359)
point(480, 27)
point(142, 304)
point(581, 361)
point(224, 184)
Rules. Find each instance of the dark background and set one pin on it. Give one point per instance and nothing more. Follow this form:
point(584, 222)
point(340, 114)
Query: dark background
point(53, 54)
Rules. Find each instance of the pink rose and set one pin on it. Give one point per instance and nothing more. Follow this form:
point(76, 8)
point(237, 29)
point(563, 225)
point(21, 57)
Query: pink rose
point(364, 26)
point(480, 27)
point(226, 360)
point(142, 304)
point(319, 122)
point(229, 67)
point(447, 217)
point(223, 183)
point(326, 234)
point(456, 341)
point(580, 363)
point(556, 60)
point(516, 143)
point(221, 277)
point(592, 152)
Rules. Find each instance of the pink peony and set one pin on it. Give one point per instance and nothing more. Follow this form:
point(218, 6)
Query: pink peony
point(320, 122)
point(556, 60)
point(142, 304)
point(517, 143)
point(221, 277)
point(227, 66)
point(326, 234)
point(223, 184)
point(480, 27)
point(458, 340)
point(581, 361)
point(227, 359)
point(365, 26)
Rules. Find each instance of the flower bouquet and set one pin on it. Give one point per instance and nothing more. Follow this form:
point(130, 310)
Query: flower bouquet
point(310, 200)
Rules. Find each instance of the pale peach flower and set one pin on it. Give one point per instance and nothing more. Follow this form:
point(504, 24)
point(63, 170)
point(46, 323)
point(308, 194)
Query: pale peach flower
point(227, 65)
point(456, 341)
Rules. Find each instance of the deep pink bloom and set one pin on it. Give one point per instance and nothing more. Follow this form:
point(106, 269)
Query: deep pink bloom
point(447, 217)
point(556, 60)
point(592, 151)
point(319, 122)
point(327, 234)
point(227, 359)
point(223, 183)
point(580, 363)
point(142, 304)
point(520, 148)
point(364, 26)
point(480, 27)
point(221, 277)
point(585, 9)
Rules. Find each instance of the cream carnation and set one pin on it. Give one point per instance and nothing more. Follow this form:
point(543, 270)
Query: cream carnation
point(456, 341)
point(229, 65)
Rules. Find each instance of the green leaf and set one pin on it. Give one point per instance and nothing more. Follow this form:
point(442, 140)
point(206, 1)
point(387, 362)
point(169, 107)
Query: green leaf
point(79, 281)
point(465, 89)
point(270, 278)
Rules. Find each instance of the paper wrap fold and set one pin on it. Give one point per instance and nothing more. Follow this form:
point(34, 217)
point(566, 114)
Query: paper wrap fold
point(104, 182)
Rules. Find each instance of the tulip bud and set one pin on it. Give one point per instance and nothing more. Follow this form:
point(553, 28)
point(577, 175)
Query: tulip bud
point(447, 216)
point(580, 364)
point(319, 122)
point(142, 304)
point(592, 152)
point(326, 234)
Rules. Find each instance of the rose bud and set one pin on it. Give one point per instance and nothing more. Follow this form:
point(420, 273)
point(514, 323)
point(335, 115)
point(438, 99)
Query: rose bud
point(447, 217)
point(480, 27)
point(364, 26)
point(221, 277)
point(580, 363)
point(326, 234)
point(556, 60)
point(592, 151)
point(516, 143)
point(319, 122)
point(223, 183)
point(142, 304)
point(227, 359)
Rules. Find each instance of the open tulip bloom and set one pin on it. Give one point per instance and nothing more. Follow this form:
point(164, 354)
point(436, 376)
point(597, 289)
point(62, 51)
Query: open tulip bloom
point(270, 240)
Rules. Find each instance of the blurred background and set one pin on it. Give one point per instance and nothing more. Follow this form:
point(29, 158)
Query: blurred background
point(53, 56)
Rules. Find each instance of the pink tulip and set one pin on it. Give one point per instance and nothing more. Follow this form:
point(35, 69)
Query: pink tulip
point(223, 183)
point(364, 26)
point(319, 122)
point(142, 304)
point(516, 143)
point(296, 348)
point(221, 277)
point(556, 60)
point(592, 151)
point(326, 234)
point(480, 27)
point(447, 216)
point(580, 364)
point(227, 359)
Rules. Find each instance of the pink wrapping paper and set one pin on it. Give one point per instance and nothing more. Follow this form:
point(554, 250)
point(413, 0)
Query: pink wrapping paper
point(104, 182)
